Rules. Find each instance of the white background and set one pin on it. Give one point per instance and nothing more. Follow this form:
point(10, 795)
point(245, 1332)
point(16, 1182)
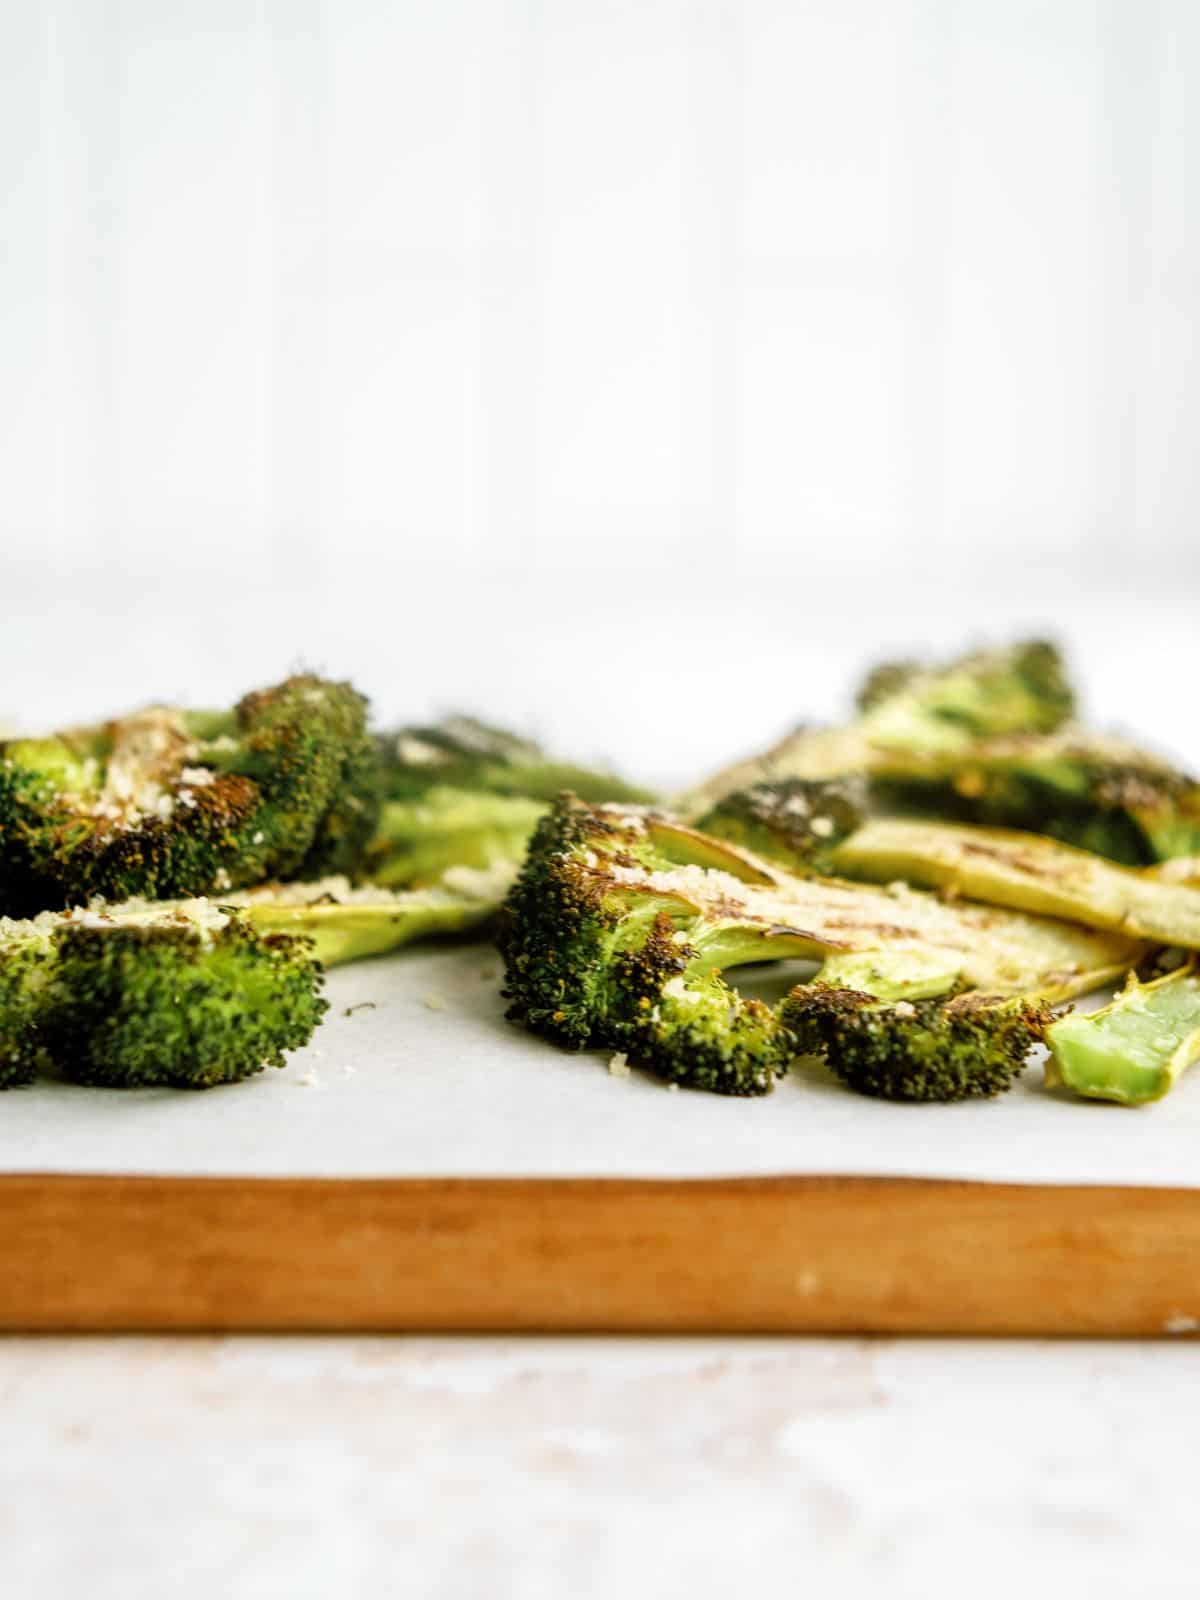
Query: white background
point(508, 354)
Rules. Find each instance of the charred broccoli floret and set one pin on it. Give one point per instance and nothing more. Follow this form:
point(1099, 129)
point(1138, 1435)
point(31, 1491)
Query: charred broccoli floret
point(186, 995)
point(167, 803)
point(1136, 1048)
point(964, 1047)
point(621, 922)
point(608, 940)
point(919, 710)
point(462, 753)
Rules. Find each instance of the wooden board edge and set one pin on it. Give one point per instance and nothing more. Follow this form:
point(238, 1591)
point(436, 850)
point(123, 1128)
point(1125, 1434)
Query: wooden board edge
point(769, 1255)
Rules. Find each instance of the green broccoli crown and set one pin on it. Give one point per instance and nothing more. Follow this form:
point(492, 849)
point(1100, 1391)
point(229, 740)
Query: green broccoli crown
point(797, 821)
point(611, 937)
point(960, 1048)
point(1016, 689)
point(167, 804)
point(460, 752)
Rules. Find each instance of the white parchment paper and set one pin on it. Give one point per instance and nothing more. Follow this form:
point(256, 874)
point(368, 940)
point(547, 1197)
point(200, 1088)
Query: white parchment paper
point(403, 1087)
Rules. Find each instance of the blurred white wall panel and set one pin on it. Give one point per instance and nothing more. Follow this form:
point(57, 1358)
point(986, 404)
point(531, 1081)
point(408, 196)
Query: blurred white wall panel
point(1165, 377)
point(1030, 332)
point(488, 283)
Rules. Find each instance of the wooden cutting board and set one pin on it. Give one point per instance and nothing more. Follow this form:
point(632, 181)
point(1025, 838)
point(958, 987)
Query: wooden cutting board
point(815, 1255)
point(433, 1167)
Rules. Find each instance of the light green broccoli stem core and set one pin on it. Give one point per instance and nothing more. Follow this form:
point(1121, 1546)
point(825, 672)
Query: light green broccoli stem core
point(892, 975)
point(1134, 1049)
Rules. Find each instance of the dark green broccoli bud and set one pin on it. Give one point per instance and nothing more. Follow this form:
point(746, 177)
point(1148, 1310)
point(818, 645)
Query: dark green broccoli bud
point(167, 804)
point(347, 923)
point(933, 1050)
point(461, 753)
point(1136, 1048)
point(913, 711)
point(185, 994)
point(797, 821)
point(1025, 871)
point(622, 921)
point(417, 840)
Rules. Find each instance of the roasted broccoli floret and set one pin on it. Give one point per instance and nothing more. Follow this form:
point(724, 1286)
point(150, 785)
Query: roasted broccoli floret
point(417, 840)
point(1136, 1048)
point(462, 753)
point(968, 1046)
point(621, 922)
point(186, 995)
point(906, 707)
point(167, 804)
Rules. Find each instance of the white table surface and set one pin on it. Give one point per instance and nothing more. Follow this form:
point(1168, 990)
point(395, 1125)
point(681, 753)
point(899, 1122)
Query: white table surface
point(303, 1469)
point(253, 1468)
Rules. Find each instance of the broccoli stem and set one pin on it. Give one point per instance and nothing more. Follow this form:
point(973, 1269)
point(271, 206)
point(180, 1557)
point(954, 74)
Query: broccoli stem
point(346, 924)
point(1025, 871)
point(1135, 1048)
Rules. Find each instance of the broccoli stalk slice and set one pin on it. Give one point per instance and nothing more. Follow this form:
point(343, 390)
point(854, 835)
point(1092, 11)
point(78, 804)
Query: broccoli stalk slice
point(1134, 1049)
point(345, 924)
point(186, 995)
point(908, 708)
point(1022, 870)
point(616, 935)
point(1087, 789)
point(417, 840)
